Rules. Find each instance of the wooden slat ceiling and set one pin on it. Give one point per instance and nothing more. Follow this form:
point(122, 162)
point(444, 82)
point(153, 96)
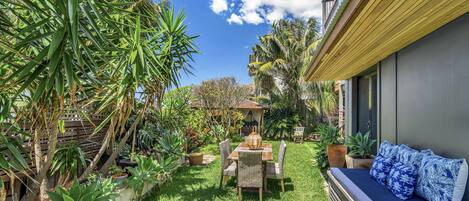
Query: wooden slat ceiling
point(376, 29)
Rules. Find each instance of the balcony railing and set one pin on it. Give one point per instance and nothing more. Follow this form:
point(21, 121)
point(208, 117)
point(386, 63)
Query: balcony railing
point(329, 9)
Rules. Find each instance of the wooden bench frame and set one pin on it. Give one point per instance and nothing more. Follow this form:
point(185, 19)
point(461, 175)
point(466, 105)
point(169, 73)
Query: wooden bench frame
point(336, 191)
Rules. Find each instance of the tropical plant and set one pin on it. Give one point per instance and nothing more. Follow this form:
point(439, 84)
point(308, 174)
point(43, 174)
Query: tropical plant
point(175, 109)
point(360, 145)
point(115, 170)
point(280, 123)
point(56, 54)
point(67, 161)
point(323, 100)
point(170, 144)
point(280, 55)
point(147, 136)
point(329, 135)
point(11, 159)
point(147, 172)
point(97, 189)
point(217, 131)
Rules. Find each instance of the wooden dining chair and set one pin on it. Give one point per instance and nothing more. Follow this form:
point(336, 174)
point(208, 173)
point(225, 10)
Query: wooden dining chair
point(275, 170)
point(228, 167)
point(250, 171)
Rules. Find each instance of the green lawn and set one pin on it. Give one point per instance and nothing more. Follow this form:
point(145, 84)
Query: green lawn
point(303, 180)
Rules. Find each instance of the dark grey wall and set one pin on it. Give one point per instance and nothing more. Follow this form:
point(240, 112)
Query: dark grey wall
point(425, 93)
point(388, 98)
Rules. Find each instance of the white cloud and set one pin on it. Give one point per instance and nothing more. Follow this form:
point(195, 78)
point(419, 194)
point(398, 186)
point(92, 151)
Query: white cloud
point(275, 15)
point(252, 17)
point(268, 11)
point(218, 6)
point(235, 19)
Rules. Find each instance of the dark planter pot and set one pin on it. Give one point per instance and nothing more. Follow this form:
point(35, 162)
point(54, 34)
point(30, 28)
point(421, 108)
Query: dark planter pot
point(196, 158)
point(336, 155)
point(358, 163)
point(123, 163)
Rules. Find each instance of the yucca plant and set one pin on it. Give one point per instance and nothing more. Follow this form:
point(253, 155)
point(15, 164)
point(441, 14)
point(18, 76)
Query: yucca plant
point(56, 54)
point(360, 145)
point(67, 161)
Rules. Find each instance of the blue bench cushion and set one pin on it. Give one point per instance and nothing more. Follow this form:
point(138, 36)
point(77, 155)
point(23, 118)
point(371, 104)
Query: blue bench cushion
point(362, 187)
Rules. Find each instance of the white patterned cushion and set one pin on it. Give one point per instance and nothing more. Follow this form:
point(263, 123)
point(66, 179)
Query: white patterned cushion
point(411, 157)
point(442, 179)
point(402, 180)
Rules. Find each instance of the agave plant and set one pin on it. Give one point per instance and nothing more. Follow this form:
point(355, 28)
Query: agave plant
point(94, 190)
point(170, 144)
point(360, 145)
point(145, 173)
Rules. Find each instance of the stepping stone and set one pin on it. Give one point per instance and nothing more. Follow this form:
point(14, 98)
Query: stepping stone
point(208, 159)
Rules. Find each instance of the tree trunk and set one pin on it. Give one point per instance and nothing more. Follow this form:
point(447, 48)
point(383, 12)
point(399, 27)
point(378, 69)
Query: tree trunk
point(121, 144)
point(44, 168)
point(98, 156)
point(119, 147)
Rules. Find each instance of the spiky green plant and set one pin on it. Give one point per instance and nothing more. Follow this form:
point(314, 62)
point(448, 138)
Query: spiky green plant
point(360, 145)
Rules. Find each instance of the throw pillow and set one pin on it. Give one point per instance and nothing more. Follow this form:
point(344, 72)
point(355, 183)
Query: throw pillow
point(402, 180)
point(388, 150)
point(411, 157)
point(380, 169)
point(442, 178)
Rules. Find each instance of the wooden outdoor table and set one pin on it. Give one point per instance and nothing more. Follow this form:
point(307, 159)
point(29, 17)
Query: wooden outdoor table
point(266, 152)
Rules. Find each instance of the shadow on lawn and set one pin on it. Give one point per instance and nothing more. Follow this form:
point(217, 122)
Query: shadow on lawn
point(190, 186)
point(185, 187)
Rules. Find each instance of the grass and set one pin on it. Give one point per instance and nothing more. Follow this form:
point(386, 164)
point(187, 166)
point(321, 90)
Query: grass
point(303, 180)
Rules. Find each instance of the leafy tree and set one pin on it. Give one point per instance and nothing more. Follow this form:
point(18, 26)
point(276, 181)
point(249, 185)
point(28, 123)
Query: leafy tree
point(219, 98)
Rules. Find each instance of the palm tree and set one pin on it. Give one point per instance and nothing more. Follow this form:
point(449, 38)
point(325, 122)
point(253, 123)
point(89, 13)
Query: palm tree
point(323, 99)
point(278, 60)
point(280, 54)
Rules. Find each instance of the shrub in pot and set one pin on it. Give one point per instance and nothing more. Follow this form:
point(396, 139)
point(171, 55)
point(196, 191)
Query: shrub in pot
point(336, 151)
point(361, 149)
point(193, 148)
point(117, 174)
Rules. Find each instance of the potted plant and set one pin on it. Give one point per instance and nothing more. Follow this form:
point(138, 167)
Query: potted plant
point(336, 150)
point(193, 148)
point(125, 159)
point(360, 155)
point(117, 173)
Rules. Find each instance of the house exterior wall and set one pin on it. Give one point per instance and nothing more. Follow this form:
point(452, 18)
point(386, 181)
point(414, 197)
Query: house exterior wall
point(424, 93)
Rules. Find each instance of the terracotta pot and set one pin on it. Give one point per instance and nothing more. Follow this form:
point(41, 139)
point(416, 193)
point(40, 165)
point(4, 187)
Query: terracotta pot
point(358, 163)
point(196, 158)
point(119, 177)
point(336, 155)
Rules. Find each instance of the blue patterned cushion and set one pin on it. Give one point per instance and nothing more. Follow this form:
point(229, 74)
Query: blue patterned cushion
point(402, 180)
point(388, 150)
point(442, 178)
point(380, 169)
point(411, 157)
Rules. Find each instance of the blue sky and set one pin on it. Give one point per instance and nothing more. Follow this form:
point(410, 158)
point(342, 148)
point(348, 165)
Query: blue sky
point(228, 29)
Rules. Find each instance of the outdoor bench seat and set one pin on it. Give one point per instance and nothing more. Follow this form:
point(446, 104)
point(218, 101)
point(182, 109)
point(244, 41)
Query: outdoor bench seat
point(357, 185)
